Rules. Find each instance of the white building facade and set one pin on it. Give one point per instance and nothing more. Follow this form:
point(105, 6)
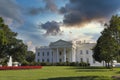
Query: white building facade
point(62, 51)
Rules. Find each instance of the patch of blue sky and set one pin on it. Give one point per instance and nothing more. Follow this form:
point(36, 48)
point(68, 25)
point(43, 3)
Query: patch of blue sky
point(49, 16)
point(30, 3)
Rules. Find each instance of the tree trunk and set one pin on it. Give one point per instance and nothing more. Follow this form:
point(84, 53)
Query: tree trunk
point(106, 64)
point(112, 65)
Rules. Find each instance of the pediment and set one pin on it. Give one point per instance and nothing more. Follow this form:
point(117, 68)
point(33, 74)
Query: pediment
point(61, 43)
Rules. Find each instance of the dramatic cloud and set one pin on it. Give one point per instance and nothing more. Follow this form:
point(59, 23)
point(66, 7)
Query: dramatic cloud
point(83, 11)
point(49, 6)
point(10, 10)
point(52, 28)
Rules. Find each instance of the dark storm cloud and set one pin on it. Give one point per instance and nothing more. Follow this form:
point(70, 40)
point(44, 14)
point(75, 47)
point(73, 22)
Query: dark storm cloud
point(49, 6)
point(9, 9)
point(52, 28)
point(84, 11)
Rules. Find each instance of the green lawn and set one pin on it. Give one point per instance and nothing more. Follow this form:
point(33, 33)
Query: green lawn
point(60, 73)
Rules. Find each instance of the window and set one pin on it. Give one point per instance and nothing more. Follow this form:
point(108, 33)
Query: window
point(66, 59)
point(60, 60)
point(80, 51)
point(47, 60)
point(42, 60)
point(87, 60)
point(60, 53)
point(38, 60)
point(43, 53)
point(81, 59)
point(87, 52)
point(47, 53)
point(38, 53)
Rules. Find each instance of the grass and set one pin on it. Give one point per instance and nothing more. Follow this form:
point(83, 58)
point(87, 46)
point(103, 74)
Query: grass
point(60, 73)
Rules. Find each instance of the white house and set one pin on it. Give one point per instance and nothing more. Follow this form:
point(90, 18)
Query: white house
point(62, 51)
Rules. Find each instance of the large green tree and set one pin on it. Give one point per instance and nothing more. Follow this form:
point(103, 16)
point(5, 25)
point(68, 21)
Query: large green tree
point(107, 47)
point(10, 45)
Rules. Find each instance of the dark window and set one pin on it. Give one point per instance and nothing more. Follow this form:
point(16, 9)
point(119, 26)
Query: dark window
point(38, 60)
point(42, 60)
point(43, 54)
point(67, 59)
point(60, 60)
point(47, 60)
point(87, 60)
point(80, 51)
point(60, 53)
point(47, 53)
point(87, 52)
point(38, 53)
point(81, 59)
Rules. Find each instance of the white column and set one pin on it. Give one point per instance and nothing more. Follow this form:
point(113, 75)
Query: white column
point(51, 57)
point(64, 54)
point(71, 54)
point(57, 55)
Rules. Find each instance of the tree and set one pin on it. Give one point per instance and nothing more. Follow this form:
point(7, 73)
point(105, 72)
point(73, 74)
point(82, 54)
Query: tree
point(10, 45)
point(3, 38)
point(17, 50)
point(30, 57)
point(107, 47)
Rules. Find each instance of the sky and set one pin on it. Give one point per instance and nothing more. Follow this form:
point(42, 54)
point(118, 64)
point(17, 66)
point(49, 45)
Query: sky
point(39, 22)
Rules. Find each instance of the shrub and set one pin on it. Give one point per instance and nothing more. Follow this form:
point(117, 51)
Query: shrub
point(68, 63)
point(45, 64)
point(34, 64)
point(73, 64)
point(61, 64)
point(84, 64)
point(24, 63)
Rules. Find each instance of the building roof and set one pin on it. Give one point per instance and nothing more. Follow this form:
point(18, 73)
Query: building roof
point(60, 43)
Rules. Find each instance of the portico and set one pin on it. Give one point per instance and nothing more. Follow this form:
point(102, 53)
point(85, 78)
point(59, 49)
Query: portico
point(62, 50)
point(61, 54)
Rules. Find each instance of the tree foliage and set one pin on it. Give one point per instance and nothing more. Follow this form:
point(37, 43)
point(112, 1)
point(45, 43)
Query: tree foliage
point(30, 57)
point(108, 44)
point(10, 45)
